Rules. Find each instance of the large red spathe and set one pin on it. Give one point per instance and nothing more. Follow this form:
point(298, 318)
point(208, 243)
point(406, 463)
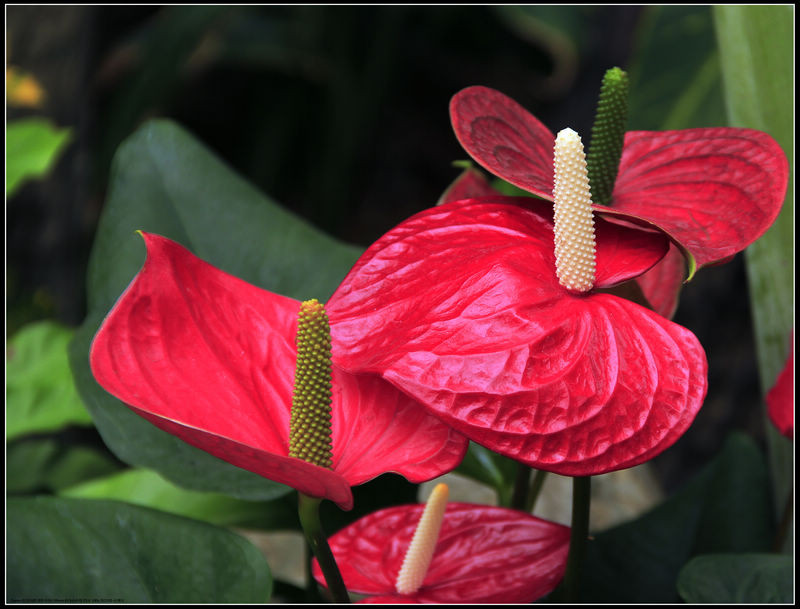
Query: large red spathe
point(210, 358)
point(460, 307)
point(483, 554)
point(713, 190)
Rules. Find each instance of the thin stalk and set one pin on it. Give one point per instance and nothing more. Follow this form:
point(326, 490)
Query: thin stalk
point(783, 526)
point(536, 487)
point(521, 485)
point(581, 500)
point(308, 509)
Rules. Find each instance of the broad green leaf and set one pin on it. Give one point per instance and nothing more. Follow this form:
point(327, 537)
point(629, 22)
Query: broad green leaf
point(148, 489)
point(639, 561)
point(674, 73)
point(40, 392)
point(737, 578)
point(67, 550)
point(32, 146)
point(757, 54)
point(164, 181)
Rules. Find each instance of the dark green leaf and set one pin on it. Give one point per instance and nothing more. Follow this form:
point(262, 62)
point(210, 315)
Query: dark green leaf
point(32, 146)
point(737, 578)
point(40, 392)
point(164, 181)
point(65, 550)
point(639, 561)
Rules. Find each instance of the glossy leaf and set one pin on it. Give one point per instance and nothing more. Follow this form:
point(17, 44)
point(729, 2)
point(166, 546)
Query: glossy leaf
point(483, 555)
point(165, 181)
point(738, 578)
point(713, 190)
point(459, 306)
point(210, 358)
point(40, 392)
point(75, 549)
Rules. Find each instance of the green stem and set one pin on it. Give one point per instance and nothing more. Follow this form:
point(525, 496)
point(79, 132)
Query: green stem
point(308, 509)
point(783, 526)
point(536, 487)
point(521, 483)
point(581, 500)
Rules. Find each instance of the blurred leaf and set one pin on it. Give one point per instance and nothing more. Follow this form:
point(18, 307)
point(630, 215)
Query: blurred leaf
point(674, 75)
point(164, 45)
point(737, 578)
point(491, 469)
point(22, 89)
point(163, 181)
point(40, 392)
point(32, 146)
point(639, 561)
point(75, 549)
point(27, 463)
point(560, 33)
point(76, 464)
point(46, 464)
point(146, 488)
point(757, 52)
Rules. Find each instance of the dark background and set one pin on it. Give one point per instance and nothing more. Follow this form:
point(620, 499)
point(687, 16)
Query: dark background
point(340, 114)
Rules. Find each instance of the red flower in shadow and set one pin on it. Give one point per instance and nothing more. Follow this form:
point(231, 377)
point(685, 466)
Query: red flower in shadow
point(210, 359)
point(780, 399)
point(484, 554)
point(714, 191)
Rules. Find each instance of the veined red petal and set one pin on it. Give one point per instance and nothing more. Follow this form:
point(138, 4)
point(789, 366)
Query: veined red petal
point(460, 308)
point(504, 138)
point(210, 358)
point(715, 190)
point(484, 554)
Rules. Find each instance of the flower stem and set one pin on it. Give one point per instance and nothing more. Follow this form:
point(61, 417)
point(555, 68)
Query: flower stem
point(581, 500)
point(536, 487)
point(308, 510)
point(521, 485)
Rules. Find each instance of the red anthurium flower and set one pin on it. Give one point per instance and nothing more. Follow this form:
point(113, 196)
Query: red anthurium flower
point(460, 307)
point(210, 358)
point(714, 190)
point(780, 399)
point(483, 554)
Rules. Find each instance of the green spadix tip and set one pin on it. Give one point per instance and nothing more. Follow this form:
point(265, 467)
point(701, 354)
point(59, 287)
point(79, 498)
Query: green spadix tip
point(310, 423)
point(608, 135)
